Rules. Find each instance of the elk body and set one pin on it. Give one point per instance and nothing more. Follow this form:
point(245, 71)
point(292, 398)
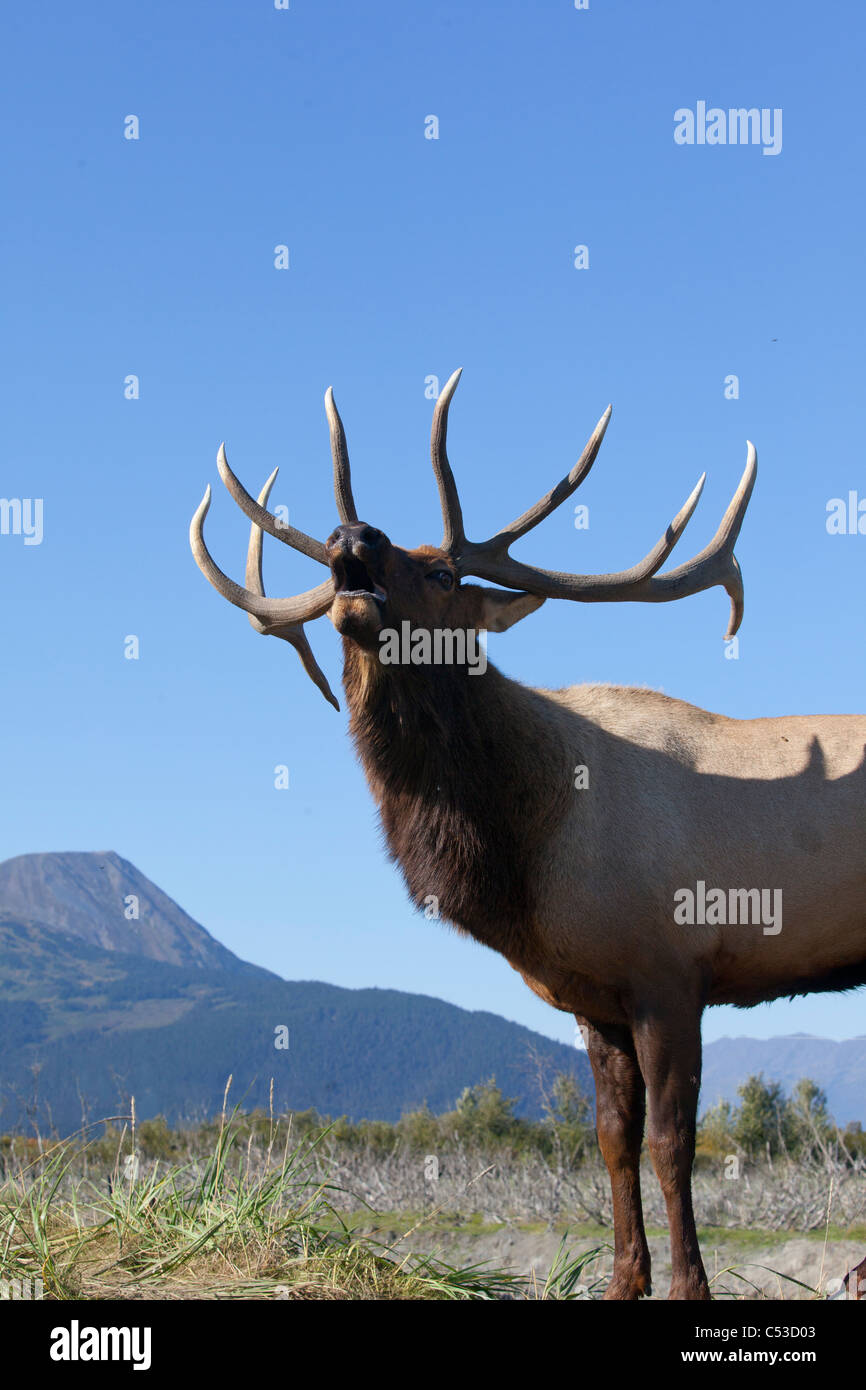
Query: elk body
point(586, 889)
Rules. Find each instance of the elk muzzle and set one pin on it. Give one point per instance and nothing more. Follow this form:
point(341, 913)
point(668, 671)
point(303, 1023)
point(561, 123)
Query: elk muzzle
point(358, 555)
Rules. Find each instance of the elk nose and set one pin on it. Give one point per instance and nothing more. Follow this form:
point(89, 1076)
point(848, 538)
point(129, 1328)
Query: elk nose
point(357, 538)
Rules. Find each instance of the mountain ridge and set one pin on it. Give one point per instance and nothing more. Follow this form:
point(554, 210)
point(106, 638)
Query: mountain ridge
point(838, 1067)
point(105, 900)
point(86, 1023)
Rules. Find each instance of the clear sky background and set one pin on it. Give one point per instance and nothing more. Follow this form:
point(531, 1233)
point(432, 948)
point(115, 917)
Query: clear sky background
point(408, 257)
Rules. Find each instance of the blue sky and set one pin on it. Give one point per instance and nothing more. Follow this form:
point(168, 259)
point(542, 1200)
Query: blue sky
point(408, 257)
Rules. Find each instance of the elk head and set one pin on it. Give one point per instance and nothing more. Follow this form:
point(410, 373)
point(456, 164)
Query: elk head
point(376, 585)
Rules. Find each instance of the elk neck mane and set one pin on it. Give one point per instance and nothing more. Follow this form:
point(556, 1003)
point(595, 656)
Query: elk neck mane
point(471, 776)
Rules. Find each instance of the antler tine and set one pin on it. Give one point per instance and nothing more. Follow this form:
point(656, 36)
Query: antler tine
point(292, 633)
point(254, 578)
point(340, 454)
point(557, 495)
point(272, 612)
point(716, 563)
point(454, 536)
point(289, 535)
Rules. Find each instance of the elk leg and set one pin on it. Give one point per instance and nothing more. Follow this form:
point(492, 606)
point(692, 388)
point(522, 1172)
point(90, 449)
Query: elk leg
point(620, 1101)
point(669, 1052)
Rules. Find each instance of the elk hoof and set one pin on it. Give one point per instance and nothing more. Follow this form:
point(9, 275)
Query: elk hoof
point(629, 1287)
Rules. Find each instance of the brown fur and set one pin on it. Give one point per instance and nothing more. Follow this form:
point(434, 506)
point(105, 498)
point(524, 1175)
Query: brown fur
point(440, 748)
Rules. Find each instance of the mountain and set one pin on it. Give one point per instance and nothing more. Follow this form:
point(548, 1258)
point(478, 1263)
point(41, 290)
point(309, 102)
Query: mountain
point(839, 1068)
point(95, 1008)
point(104, 901)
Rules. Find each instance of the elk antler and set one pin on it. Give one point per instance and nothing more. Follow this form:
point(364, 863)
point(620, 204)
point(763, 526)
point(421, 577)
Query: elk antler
point(290, 632)
point(340, 454)
point(283, 617)
point(716, 563)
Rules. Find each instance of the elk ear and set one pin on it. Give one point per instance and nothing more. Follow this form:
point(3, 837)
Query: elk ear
point(500, 609)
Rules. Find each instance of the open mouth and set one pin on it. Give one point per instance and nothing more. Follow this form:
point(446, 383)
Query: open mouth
point(353, 579)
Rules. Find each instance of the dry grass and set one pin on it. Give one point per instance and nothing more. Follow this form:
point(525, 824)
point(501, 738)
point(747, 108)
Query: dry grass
point(247, 1221)
point(790, 1195)
point(245, 1224)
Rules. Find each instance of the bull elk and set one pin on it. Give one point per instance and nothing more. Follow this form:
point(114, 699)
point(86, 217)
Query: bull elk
point(586, 891)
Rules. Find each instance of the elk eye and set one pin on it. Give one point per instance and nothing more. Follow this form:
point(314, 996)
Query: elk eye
point(443, 577)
